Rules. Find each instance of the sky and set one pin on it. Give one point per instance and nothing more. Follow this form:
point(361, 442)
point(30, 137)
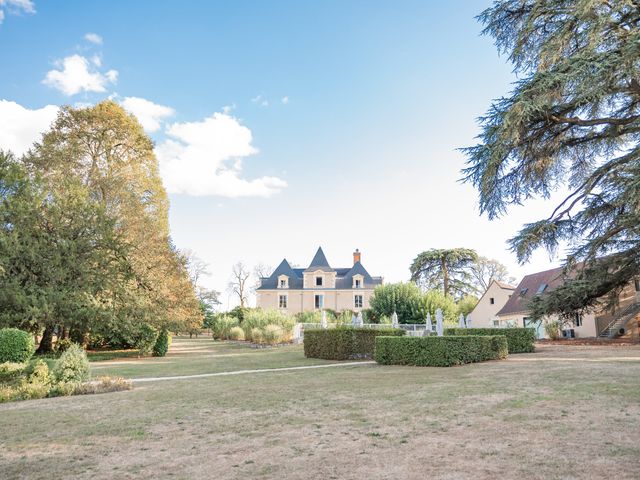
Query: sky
point(282, 126)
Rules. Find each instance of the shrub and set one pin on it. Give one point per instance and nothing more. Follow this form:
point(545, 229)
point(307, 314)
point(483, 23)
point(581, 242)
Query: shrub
point(63, 344)
point(520, 340)
point(236, 333)
point(222, 325)
point(552, 329)
point(145, 338)
point(272, 334)
point(73, 366)
point(15, 345)
point(40, 374)
point(103, 385)
point(24, 391)
point(439, 351)
point(10, 371)
point(343, 343)
point(258, 318)
point(256, 335)
point(308, 317)
point(162, 343)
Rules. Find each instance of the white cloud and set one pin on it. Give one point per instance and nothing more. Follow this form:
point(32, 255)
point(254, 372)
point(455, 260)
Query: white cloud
point(16, 7)
point(76, 75)
point(205, 158)
point(149, 114)
point(260, 100)
point(285, 100)
point(93, 38)
point(20, 127)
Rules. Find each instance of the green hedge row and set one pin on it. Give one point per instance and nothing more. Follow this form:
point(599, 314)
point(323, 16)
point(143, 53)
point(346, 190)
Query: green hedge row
point(344, 343)
point(15, 345)
point(520, 340)
point(439, 351)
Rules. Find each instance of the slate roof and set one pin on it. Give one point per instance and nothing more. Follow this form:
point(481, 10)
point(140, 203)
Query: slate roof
point(529, 287)
point(319, 262)
point(344, 276)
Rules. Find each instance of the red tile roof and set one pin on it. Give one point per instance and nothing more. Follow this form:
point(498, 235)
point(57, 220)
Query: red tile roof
point(529, 287)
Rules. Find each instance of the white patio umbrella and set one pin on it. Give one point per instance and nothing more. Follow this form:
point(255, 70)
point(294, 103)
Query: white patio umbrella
point(324, 320)
point(394, 320)
point(429, 325)
point(468, 321)
point(439, 325)
point(461, 323)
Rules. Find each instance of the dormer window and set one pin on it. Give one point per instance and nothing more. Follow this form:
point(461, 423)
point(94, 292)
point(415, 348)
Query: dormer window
point(541, 288)
point(523, 292)
point(318, 281)
point(283, 281)
point(358, 281)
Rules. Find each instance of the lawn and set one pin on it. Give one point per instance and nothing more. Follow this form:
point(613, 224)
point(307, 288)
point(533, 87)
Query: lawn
point(203, 355)
point(563, 412)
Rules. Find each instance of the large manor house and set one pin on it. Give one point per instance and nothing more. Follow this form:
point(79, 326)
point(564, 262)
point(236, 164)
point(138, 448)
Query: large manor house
point(317, 287)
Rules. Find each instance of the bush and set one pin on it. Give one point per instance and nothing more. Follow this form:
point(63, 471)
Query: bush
point(222, 325)
point(73, 366)
point(24, 391)
point(40, 374)
point(343, 343)
point(103, 385)
point(258, 318)
point(63, 344)
point(552, 329)
point(439, 351)
point(15, 345)
point(272, 334)
point(10, 371)
point(308, 317)
point(236, 333)
point(256, 335)
point(145, 338)
point(162, 343)
point(520, 340)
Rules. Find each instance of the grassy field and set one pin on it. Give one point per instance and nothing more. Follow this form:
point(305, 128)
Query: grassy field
point(203, 355)
point(563, 412)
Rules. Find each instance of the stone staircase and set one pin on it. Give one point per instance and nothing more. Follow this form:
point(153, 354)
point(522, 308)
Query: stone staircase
point(613, 329)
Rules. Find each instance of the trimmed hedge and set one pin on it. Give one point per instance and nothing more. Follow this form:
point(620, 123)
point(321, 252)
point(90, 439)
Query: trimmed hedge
point(439, 351)
point(15, 345)
point(344, 343)
point(520, 340)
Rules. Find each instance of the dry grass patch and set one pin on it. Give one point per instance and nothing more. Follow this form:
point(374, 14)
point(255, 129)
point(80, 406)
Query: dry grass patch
point(532, 416)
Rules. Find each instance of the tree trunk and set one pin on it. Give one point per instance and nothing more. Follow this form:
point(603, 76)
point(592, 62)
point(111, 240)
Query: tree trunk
point(46, 343)
point(445, 277)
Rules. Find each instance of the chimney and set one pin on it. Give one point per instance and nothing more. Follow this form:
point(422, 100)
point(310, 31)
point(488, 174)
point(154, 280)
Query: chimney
point(356, 256)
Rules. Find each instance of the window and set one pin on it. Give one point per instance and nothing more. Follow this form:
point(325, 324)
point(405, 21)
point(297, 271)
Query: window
point(318, 281)
point(282, 301)
point(492, 300)
point(636, 282)
point(496, 323)
point(319, 301)
point(577, 320)
point(357, 301)
point(283, 283)
point(358, 283)
point(541, 288)
point(523, 292)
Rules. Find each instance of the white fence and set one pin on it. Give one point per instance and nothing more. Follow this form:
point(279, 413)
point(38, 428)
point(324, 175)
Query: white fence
point(412, 329)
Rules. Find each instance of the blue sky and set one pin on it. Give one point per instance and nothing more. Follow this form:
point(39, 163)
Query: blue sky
point(282, 125)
